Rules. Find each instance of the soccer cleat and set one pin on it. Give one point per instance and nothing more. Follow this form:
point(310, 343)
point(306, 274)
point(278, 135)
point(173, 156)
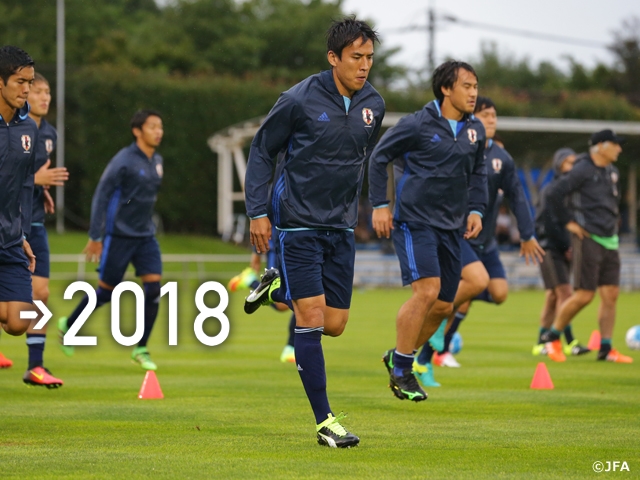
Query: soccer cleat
point(539, 349)
point(424, 374)
point(437, 339)
point(574, 348)
point(387, 359)
point(554, 351)
point(62, 329)
point(262, 294)
point(288, 354)
point(41, 377)
point(614, 356)
point(445, 360)
point(243, 280)
point(406, 387)
point(332, 434)
point(141, 356)
point(5, 362)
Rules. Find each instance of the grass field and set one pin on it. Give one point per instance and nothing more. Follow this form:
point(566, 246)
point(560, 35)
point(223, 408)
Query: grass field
point(235, 411)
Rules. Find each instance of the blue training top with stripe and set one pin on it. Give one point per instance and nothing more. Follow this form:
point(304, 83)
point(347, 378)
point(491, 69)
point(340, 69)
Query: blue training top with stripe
point(318, 182)
point(124, 199)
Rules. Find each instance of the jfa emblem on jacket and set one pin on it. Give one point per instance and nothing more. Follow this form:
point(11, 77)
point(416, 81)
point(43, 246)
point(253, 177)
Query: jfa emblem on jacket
point(26, 142)
point(367, 116)
point(473, 135)
point(496, 163)
point(614, 177)
point(159, 170)
point(48, 145)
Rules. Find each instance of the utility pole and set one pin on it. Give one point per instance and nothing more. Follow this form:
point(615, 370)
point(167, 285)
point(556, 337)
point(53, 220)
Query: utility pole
point(431, 28)
point(60, 60)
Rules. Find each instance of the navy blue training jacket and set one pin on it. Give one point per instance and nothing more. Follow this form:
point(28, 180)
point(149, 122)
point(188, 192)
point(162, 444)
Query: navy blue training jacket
point(502, 175)
point(319, 180)
point(439, 178)
point(17, 157)
point(47, 139)
point(124, 199)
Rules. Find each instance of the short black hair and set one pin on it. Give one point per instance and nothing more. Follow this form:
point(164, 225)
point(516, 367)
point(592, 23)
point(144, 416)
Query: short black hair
point(343, 33)
point(446, 75)
point(13, 59)
point(482, 103)
point(141, 116)
point(38, 77)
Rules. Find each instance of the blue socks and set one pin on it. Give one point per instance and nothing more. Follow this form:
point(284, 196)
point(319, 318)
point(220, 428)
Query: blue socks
point(35, 343)
point(103, 296)
point(151, 304)
point(457, 319)
point(401, 362)
point(310, 362)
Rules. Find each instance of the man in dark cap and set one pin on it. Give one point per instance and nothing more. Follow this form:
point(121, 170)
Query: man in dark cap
point(556, 241)
point(593, 223)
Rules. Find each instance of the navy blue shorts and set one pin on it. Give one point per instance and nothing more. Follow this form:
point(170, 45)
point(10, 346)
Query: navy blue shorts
point(15, 277)
point(39, 242)
point(490, 259)
point(118, 252)
point(318, 262)
point(426, 252)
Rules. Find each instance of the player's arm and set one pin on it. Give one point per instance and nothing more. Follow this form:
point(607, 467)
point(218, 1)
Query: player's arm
point(26, 195)
point(109, 182)
point(558, 191)
point(530, 249)
point(272, 136)
point(397, 140)
point(478, 193)
point(46, 176)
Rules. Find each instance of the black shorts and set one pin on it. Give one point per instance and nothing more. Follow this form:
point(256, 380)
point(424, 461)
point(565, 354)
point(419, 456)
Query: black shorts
point(118, 252)
point(593, 265)
point(318, 262)
point(490, 259)
point(554, 269)
point(15, 277)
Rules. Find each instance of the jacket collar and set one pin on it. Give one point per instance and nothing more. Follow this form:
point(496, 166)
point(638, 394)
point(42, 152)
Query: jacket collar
point(135, 149)
point(326, 78)
point(21, 114)
point(435, 110)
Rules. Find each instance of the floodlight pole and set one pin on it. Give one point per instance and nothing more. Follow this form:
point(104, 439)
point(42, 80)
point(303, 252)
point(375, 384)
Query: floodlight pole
point(432, 40)
point(60, 111)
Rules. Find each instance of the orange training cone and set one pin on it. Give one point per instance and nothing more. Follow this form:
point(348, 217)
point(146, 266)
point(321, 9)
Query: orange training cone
point(150, 387)
point(541, 379)
point(594, 340)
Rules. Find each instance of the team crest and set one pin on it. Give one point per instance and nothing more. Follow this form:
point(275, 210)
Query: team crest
point(26, 142)
point(473, 135)
point(496, 163)
point(614, 177)
point(159, 169)
point(48, 145)
point(367, 115)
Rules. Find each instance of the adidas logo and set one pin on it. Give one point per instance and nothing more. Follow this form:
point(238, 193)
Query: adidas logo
point(299, 368)
point(436, 138)
point(324, 117)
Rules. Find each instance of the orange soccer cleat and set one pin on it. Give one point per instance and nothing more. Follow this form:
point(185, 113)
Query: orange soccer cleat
point(615, 356)
point(40, 376)
point(554, 351)
point(5, 362)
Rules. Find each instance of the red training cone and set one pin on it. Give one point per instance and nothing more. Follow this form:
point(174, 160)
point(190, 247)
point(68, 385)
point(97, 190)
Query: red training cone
point(541, 379)
point(594, 340)
point(150, 387)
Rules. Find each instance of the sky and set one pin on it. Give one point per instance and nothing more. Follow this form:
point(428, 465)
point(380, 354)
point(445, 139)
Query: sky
point(591, 20)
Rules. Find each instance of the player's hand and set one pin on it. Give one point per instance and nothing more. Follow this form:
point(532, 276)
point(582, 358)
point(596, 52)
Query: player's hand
point(474, 226)
point(30, 256)
point(382, 221)
point(260, 231)
point(49, 205)
point(93, 251)
point(531, 250)
point(577, 230)
point(51, 176)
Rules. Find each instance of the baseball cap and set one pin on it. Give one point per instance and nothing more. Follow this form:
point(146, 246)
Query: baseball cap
point(605, 136)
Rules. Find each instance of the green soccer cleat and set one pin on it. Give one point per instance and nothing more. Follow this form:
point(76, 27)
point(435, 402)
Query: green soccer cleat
point(269, 282)
point(437, 339)
point(539, 349)
point(288, 354)
point(62, 329)
point(387, 359)
point(332, 434)
point(574, 348)
point(424, 374)
point(406, 387)
point(141, 356)
point(243, 280)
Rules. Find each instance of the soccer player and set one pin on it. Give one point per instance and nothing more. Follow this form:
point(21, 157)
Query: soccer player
point(441, 183)
point(18, 137)
point(122, 231)
point(483, 275)
point(556, 241)
point(328, 125)
point(248, 278)
point(39, 100)
point(593, 223)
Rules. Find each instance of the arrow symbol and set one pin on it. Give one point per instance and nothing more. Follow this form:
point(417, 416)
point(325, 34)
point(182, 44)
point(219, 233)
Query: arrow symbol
point(32, 315)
